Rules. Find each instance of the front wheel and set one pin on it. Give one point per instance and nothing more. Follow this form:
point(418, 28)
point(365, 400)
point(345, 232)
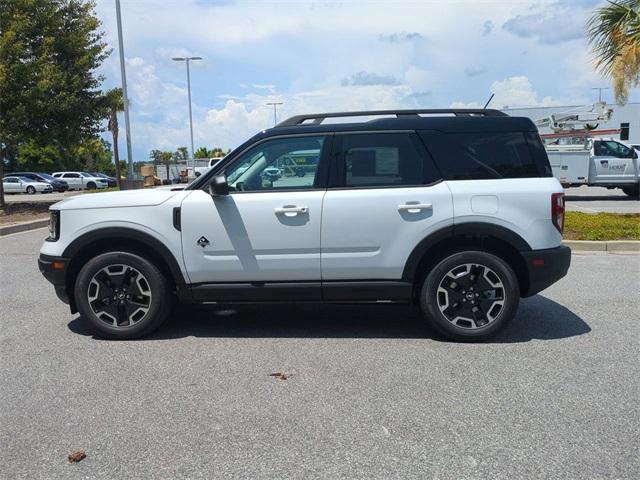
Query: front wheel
point(91, 186)
point(122, 295)
point(31, 190)
point(469, 296)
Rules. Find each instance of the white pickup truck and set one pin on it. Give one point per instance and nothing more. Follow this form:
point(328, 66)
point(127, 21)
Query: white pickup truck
point(212, 162)
point(598, 162)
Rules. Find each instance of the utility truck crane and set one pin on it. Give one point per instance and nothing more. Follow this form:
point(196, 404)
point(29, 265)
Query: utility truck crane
point(580, 154)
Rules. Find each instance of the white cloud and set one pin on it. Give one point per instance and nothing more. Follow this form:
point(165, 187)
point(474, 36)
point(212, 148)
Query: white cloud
point(299, 52)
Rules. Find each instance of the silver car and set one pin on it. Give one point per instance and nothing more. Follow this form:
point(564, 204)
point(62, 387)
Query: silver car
point(25, 185)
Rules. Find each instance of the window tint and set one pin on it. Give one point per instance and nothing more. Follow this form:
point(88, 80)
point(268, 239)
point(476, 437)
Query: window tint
point(278, 164)
point(71, 175)
point(481, 156)
point(381, 159)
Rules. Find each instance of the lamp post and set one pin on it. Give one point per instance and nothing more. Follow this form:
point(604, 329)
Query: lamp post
point(187, 60)
point(275, 110)
point(124, 94)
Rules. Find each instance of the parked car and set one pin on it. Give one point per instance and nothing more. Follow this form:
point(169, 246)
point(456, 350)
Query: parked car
point(272, 174)
point(456, 211)
point(210, 164)
point(597, 162)
point(24, 185)
point(81, 180)
point(111, 181)
point(57, 184)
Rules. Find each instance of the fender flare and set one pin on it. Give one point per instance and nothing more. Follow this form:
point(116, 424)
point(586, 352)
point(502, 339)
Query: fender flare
point(128, 234)
point(471, 229)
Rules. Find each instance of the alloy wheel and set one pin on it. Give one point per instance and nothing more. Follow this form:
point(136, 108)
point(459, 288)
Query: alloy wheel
point(471, 296)
point(119, 295)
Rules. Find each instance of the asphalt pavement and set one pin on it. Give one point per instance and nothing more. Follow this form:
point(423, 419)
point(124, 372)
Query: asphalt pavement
point(371, 394)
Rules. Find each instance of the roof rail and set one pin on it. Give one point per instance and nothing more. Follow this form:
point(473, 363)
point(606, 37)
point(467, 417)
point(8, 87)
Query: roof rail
point(318, 118)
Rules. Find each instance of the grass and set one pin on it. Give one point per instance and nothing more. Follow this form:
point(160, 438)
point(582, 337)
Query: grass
point(601, 226)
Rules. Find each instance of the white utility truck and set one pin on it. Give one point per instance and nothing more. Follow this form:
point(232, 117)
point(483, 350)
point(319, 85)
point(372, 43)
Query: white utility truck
point(212, 162)
point(580, 154)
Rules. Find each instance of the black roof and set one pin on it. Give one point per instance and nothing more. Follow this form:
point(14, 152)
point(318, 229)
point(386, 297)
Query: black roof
point(443, 120)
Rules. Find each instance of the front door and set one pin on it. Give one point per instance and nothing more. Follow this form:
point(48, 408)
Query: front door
point(614, 161)
point(268, 228)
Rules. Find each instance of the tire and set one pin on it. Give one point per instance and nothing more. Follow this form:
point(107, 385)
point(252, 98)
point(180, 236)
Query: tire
point(129, 309)
point(479, 275)
point(31, 190)
point(91, 186)
point(632, 191)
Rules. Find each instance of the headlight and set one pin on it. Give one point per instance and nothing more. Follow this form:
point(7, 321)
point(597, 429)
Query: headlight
point(54, 225)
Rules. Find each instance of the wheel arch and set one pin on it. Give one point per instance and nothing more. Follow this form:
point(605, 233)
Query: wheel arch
point(495, 239)
point(108, 239)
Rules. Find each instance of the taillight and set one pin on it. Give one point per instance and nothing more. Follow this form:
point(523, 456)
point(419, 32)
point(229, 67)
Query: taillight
point(557, 210)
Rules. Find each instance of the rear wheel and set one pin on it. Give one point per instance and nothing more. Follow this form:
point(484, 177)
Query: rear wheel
point(31, 190)
point(469, 296)
point(122, 295)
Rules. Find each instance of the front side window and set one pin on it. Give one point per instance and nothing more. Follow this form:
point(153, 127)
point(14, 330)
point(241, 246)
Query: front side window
point(612, 149)
point(277, 164)
point(381, 159)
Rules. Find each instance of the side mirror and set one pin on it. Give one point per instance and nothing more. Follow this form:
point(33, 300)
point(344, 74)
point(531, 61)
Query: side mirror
point(219, 186)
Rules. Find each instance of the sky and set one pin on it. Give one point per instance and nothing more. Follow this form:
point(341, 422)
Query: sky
point(321, 55)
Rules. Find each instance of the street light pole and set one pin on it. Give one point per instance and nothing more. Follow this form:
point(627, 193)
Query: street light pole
point(275, 110)
point(187, 60)
point(124, 94)
point(600, 92)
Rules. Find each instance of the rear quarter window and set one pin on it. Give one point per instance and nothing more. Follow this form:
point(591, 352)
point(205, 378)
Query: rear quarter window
point(489, 155)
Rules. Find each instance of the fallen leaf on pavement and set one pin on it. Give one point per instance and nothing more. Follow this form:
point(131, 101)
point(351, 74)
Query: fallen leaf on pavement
point(76, 456)
point(279, 375)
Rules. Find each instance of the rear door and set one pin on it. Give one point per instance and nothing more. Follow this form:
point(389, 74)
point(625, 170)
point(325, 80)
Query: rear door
point(385, 196)
point(73, 179)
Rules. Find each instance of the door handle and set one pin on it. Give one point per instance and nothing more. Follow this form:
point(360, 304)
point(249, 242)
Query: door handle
point(291, 210)
point(414, 207)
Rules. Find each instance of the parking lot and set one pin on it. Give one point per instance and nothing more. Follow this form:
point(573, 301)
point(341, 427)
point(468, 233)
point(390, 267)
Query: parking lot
point(371, 393)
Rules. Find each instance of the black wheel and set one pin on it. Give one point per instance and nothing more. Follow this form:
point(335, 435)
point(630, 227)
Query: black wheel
point(122, 295)
point(91, 186)
point(31, 190)
point(469, 296)
point(632, 191)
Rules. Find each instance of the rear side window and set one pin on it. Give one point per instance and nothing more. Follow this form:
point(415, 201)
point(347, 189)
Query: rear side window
point(382, 159)
point(482, 156)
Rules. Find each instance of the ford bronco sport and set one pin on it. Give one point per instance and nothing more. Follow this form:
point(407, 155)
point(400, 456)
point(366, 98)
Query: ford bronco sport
point(456, 211)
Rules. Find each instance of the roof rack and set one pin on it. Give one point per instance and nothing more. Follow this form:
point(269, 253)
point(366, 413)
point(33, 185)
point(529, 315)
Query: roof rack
point(318, 118)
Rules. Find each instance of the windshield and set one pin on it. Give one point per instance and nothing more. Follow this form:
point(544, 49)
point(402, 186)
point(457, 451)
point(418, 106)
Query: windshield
point(46, 176)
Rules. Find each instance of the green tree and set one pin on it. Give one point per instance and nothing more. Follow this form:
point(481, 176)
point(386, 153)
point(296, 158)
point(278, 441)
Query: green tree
point(614, 34)
point(114, 103)
point(49, 89)
point(93, 154)
point(203, 152)
point(40, 158)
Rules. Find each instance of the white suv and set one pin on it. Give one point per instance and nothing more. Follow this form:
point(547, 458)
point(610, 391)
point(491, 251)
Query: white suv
point(82, 180)
point(456, 211)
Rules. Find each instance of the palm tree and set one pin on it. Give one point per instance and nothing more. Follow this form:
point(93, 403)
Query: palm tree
point(614, 34)
point(114, 103)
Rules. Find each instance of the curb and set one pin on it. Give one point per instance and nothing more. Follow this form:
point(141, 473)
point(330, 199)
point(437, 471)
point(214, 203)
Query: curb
point(614, 246)
point(23, 227)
